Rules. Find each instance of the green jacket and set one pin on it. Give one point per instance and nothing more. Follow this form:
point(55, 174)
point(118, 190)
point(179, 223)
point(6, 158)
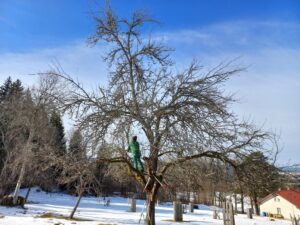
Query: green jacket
point(134, 148)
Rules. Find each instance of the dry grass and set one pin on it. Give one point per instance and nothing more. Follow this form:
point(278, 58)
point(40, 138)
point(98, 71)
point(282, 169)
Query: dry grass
point(59, 216)
point(183, 221)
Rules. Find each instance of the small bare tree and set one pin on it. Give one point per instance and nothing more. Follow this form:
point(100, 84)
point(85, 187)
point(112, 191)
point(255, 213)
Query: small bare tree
point(77, 171)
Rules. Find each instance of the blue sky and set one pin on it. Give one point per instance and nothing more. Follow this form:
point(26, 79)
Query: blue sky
point(263, 34)
point(30, 24)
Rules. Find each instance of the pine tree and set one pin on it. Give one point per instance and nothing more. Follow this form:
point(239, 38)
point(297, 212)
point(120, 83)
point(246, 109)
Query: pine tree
point(17, 88)
point(259, 176)
point(5, 88)
point(10, 88)
point(60, 141)
point(76, 147)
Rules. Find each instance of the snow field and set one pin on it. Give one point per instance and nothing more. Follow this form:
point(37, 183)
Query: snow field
point(93, 210)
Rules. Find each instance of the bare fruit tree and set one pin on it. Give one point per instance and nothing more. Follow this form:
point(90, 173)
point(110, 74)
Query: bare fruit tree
point(182, 115)
point(76, 171)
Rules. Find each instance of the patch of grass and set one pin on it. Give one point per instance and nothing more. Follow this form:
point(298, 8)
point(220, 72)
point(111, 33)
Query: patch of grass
point(183, 221)
point(106, 224)
point(59, 216)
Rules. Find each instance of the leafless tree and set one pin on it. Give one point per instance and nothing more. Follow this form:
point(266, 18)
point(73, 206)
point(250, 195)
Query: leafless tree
point(183, 115)
point(77, 171)
point(27, 136)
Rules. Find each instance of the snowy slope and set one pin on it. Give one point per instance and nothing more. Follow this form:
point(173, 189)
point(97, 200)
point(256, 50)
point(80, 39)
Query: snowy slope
point(93, 209)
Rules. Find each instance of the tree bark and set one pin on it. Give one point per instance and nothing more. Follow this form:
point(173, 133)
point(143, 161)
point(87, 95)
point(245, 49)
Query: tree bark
point(76, 205)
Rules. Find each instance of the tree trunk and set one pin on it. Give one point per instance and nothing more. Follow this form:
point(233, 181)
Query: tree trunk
point(18, 186)
point(215, 199)
point(27, 194)
point(251, 202)
point(151, 200)
point(242, 202)
point(22, 172)
point(256, 205)
point(76, 205)
point(235, 203)
point(150, 217)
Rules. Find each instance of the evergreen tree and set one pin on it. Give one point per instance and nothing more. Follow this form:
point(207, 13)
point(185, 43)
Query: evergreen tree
point(5, 88)
point(59, 133)
point(10, 88)
point(259, 176)
point(17, 88)
point(76, 147)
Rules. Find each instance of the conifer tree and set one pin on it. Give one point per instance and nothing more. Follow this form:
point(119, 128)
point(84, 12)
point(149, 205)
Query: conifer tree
point(60, 141)
point(259, 176)
point(10, 88)
point(5, 88)
point(76, 147)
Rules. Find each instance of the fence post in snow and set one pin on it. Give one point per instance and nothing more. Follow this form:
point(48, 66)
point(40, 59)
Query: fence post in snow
point(177, 211)
point(191, 207)
point(249, 213)
point(132, 202)
point(228, 213)
point(215, 215)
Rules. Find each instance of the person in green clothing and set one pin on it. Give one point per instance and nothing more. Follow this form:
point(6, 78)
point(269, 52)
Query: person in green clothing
point(134, 149)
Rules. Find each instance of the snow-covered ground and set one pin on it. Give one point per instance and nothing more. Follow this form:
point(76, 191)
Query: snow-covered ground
point(93, 209)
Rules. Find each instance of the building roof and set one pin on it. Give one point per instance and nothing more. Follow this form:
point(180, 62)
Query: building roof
point(291, 195)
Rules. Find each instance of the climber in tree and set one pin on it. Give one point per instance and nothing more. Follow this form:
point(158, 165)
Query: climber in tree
point(134, 149)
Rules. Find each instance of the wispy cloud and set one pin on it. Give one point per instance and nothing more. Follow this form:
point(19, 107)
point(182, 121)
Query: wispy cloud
point(77, 59)
point(237, 35)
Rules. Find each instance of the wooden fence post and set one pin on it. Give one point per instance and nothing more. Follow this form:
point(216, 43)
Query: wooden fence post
point(132, 202)
point(191, 207)
point(177, 211)
point(215, 215)
point(228, 213)
point(249, 213)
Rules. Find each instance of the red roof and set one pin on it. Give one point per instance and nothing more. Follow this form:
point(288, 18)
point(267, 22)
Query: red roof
point(292, 195)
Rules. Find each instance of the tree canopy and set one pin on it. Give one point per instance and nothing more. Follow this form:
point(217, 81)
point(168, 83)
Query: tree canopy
point(182, 115)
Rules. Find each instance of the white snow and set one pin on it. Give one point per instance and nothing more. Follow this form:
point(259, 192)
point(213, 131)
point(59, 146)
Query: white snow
point(93, 209)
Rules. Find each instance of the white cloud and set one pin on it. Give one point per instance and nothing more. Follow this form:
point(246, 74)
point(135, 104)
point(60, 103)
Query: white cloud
point(76, 59)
